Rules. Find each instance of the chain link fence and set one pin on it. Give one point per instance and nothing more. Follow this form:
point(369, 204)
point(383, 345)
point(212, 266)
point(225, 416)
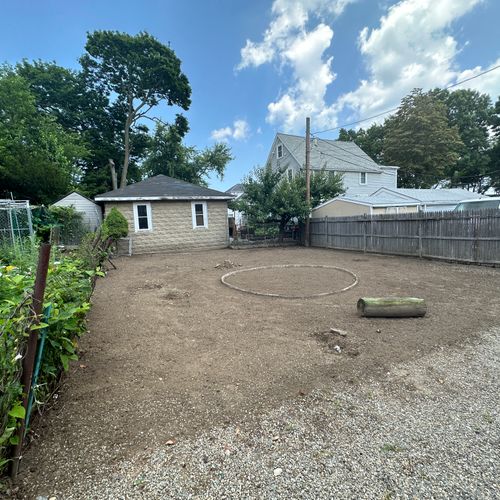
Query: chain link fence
point(15, 222)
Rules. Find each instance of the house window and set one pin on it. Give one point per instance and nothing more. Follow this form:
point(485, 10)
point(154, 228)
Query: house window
point(290, 174)
point(279, 152)
point(200, 217)
point(331, 174)
point(362, 177)
point(142, 217)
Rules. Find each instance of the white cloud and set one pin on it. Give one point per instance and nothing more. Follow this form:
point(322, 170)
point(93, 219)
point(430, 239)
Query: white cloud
point(239, 131)
point(411, 47)
point(311, 74)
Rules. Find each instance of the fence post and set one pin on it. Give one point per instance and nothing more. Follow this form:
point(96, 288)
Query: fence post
point(364, 234)
point(29, 357)
point(420, 236)
point(475, 242)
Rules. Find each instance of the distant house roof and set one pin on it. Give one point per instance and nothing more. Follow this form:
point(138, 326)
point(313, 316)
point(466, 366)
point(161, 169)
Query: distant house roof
point(161, 187)
point(73, 192)
point(385, 197)
point(441, 196)
point(372, 201)
point(236, 189)
point(341, 156)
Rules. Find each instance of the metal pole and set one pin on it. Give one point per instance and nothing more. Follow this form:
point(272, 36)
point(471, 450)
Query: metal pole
point(308, 179)
point(29, 357)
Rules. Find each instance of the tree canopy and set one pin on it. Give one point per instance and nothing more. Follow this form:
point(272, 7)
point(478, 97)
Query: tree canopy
point(140, 71)
point(37, 156)
point(271, 196)
point(169, 156)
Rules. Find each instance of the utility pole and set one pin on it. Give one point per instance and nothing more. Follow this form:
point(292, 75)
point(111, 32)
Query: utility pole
point(307, 236)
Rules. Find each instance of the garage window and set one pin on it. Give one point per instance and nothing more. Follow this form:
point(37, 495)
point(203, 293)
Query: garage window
point(199, 213)
point(142, 217)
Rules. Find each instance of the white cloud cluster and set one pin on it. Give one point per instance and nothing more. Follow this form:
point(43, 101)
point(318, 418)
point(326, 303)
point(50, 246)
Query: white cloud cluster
point(288, 42)
point(411, 47)
point(239, 131)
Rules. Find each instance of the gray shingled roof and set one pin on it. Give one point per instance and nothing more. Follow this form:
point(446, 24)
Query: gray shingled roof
point(454, 195)
point(342, 156)
point(161, 187)
point(236, 189)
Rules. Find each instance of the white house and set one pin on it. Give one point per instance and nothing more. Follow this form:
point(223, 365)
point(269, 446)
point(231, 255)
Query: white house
point(235, 216)
point(361, 175)
point(92, 213)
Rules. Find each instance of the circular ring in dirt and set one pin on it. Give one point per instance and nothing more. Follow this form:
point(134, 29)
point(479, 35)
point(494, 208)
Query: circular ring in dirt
point(284, 266)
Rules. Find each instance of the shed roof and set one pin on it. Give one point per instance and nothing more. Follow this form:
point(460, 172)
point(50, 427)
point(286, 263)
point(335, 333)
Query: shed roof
point(428, 195)
point(74, 192)
point(342, 156)
point(162, 187)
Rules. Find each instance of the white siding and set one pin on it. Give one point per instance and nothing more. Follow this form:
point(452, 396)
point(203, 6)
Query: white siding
point(374, 181)
point(92, 215)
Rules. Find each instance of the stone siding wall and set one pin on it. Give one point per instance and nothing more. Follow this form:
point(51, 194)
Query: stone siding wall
point(172, 227)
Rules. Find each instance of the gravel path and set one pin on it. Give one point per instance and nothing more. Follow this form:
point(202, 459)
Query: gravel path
point(428, 429)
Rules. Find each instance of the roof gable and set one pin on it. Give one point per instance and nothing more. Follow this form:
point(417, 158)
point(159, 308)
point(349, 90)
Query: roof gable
point(162, 187)
point(342, 156)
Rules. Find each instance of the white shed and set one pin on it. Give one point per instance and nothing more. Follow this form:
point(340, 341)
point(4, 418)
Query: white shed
point(92, 213)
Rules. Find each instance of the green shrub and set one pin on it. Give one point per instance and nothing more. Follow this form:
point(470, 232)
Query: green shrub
point(115, 225)
point(69, 286)
point(70, 224)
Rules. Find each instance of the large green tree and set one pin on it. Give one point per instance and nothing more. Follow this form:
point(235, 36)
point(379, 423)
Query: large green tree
point(139, 72)
point(84, 110)
point(169, 156)
point(420, 140)
point(494, 152)
point(470, 112)
point(38, 158)
point(370, 140)
point(271, 196)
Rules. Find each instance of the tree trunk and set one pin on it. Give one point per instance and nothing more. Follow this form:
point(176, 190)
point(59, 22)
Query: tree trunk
point(114, 182)
point(126, 159)
point(392, 307)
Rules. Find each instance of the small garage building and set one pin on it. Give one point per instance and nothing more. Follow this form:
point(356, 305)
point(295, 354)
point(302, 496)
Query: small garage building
point(166, 214)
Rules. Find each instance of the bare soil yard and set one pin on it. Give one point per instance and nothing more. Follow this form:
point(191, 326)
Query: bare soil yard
point(172, 352)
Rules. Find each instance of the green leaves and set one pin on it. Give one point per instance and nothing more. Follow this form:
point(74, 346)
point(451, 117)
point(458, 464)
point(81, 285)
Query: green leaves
point(68, 291)
point(270, 196)
point(17, 411)
point(167, 155)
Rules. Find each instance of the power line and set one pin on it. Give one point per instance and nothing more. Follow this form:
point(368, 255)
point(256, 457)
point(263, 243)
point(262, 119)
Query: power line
point(395, 109)
point(338, 145)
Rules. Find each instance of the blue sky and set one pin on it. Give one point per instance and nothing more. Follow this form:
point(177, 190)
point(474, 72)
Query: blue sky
point(262, 66)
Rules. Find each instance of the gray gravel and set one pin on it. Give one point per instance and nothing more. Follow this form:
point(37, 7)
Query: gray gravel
point(429, 429)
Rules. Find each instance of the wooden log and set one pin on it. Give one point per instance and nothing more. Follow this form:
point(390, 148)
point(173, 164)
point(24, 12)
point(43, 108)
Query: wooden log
point(392, 307)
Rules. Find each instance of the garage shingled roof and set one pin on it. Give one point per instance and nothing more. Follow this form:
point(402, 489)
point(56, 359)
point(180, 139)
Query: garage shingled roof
point(162, 187)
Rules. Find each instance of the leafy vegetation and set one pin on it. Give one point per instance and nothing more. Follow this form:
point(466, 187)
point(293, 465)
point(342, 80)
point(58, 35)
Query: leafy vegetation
point(270, 196)
point(62, 129)
point(115, 225)
point(69, 286)
point(438, 137)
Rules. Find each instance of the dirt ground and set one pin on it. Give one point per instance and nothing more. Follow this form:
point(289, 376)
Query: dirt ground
point(172, 352)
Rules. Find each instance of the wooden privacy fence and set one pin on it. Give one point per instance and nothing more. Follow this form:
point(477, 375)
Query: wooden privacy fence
point(472, 236)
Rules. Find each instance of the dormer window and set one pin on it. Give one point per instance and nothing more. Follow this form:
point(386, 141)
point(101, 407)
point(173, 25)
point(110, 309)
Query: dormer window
point(362, 177)
point(279, 151)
